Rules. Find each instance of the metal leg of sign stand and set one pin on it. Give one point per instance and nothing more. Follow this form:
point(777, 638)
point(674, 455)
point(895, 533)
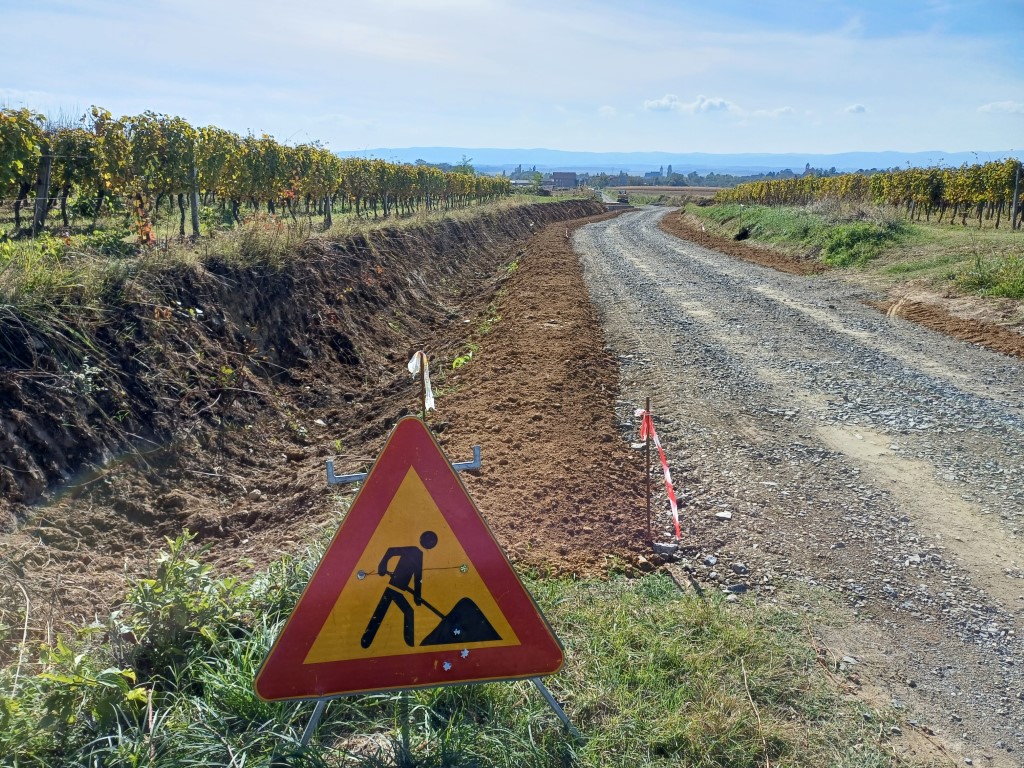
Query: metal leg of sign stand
point(403, 712)
point(321, 705)
point(314, 721)
point(556, 707)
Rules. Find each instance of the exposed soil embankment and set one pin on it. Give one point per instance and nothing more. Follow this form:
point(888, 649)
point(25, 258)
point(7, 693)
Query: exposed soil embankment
point(179, 348)
point(213, 395)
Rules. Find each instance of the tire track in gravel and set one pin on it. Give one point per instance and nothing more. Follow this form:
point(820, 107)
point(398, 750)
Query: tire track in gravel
point(854, 451)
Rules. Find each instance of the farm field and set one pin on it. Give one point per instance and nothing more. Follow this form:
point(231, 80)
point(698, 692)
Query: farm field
point(681, 191)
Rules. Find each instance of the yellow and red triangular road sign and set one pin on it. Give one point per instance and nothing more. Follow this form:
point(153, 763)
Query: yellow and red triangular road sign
point(413, 591)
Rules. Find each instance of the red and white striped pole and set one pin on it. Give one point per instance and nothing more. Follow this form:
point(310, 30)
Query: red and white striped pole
point(647, 434)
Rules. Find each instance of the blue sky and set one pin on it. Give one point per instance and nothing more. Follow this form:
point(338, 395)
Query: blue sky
point(728, 76)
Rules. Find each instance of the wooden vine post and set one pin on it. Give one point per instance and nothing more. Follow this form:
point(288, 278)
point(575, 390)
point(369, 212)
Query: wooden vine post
point(1016, 199)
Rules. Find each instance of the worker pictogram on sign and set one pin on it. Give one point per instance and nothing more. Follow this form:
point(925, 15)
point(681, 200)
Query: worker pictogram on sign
point(413, 591)
point(465, 623)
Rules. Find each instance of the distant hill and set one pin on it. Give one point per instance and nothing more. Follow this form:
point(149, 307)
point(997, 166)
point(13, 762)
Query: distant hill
point(492, 160)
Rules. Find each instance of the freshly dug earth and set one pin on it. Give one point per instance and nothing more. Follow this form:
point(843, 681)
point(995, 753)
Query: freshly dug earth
point(560, 486)
point(257, 377)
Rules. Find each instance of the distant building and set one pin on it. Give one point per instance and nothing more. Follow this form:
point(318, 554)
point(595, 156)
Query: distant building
point(564, 179)
point(652, 175)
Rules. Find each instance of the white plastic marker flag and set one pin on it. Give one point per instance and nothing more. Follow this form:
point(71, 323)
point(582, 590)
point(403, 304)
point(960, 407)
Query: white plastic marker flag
point(414, 369)
point(647, 428)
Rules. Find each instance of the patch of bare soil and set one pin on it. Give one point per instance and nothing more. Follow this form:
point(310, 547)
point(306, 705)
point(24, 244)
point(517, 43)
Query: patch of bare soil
point(985, 333)
point(559, 487)
point(236, 384)
point(678, 224)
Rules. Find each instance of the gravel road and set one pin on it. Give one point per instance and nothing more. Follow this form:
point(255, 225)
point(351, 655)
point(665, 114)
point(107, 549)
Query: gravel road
point(854, 452)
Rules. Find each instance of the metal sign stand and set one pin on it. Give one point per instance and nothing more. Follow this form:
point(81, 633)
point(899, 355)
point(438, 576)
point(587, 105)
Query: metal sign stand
point(321, 704)
point(314, 721)
point(557, 708)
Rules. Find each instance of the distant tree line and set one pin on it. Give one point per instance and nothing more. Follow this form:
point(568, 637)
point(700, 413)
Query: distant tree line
point(669, 178)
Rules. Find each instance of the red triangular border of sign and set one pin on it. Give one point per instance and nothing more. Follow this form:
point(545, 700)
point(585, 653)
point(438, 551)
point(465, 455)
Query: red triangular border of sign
point(283, 674)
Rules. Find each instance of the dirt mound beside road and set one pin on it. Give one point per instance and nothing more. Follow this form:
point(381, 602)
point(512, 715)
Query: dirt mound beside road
point(560, 486)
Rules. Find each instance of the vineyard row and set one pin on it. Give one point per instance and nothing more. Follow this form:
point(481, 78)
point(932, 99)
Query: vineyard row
point(147, 158)
point(983, 191)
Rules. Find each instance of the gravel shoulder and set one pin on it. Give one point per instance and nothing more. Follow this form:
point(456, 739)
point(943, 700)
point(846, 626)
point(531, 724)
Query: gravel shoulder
point(853, 450)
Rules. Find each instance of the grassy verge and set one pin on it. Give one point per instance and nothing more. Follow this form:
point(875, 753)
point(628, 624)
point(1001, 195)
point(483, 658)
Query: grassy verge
point(989, 262)
point(837, 238)
point(653, 677)
point(1001, 277)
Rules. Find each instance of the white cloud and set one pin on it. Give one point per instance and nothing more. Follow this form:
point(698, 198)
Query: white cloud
point(422, 72)
point(856, 109)
point(671, 103)
point(666, 103)
point(703, 105)
point(1005, 107)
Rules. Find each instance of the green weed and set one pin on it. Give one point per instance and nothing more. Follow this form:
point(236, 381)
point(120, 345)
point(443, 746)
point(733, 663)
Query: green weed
point(839, 238)
point(111, 242)
point(923, 265)
point(490, 319)
point(843, 245)
point(1002, 277)
point(185, 608)
point(465, 357)
point(653, 677)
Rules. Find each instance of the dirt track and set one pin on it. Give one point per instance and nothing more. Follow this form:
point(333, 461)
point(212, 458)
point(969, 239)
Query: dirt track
point(854, 451)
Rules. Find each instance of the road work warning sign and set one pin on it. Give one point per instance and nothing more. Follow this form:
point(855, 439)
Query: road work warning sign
point(413, 591)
